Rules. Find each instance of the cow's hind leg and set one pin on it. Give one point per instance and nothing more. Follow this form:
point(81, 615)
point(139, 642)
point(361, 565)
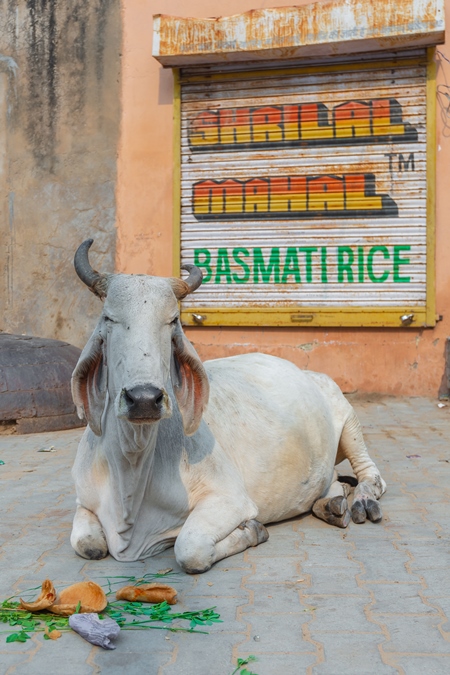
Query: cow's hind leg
point(370, 484)
point(87, 536)
point(333, 507)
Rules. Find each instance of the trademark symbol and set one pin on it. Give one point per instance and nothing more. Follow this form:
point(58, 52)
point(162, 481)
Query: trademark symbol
point(403, 164)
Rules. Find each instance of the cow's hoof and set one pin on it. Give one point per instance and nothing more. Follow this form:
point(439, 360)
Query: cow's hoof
point(333, 511)
point(358, 513)
point(373, 510)
point(337, 512)
point(366, 508)
point(91, 548)
point(258, 530)
point(341, 520)
point(195, 570)
point(337, 506)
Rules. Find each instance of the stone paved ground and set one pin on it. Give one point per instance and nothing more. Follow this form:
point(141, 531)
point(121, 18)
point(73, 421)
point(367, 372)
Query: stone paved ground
point(371, 599)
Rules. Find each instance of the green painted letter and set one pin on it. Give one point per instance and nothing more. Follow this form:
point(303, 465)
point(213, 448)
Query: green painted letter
point(308, 251)
point(345, 266)
point(323, 265)
point(385, 274)
point(361, 264)
point(223, 266)
point(266, 272)
point(291, 266)
point(243, 264)
point(400, 261)
point(203, 263)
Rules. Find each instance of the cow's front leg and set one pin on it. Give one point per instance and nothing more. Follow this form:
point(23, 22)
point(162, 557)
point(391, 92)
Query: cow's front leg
point(87, 536)
point(211, 534)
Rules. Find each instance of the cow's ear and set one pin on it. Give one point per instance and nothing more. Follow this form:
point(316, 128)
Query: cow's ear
point(189, 381)
point(89, 383)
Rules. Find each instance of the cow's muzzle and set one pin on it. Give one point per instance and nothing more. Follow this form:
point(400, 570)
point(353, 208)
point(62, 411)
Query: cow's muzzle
point(143, 403)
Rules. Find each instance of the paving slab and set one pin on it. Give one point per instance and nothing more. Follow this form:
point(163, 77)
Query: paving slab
point(371, 599)
point(424, 665)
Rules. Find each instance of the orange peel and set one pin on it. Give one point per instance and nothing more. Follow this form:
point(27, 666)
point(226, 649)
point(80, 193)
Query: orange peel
point(52, 634)
point(46, 598)
point(88, 595)
point(148, 593)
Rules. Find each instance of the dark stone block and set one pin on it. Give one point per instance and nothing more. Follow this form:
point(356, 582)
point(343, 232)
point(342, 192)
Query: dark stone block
point(15, 404)
point(3, 386)
point(47, 401)
point(34, 425)
point(35, 383)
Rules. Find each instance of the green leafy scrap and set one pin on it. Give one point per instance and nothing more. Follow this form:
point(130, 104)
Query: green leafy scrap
point(18, 637)
point(129, 615)
point(244, 662)
point(17, 618)
point(27, 621)
point(56, 624)
point(161, 612)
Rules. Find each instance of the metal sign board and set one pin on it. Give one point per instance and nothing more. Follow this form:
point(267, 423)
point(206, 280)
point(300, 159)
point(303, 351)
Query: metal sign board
point(305, 194)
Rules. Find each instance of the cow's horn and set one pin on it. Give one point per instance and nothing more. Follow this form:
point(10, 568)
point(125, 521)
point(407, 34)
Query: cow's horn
point(182, 287)
point(97, 283)
point(195, 277)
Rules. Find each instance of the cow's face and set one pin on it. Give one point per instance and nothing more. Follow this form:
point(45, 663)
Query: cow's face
point(138, 323)
point(136, 348)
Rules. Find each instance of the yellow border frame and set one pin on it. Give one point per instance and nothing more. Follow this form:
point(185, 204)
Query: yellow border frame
point(176, 172)
point(424, 316)
point(431, 188)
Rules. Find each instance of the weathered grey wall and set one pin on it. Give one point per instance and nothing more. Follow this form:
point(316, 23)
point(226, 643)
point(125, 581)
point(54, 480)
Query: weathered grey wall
point(59, 126)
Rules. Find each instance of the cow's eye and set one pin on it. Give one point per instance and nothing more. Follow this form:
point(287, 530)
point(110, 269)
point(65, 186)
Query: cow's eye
point(109, 320)
point(174, 321)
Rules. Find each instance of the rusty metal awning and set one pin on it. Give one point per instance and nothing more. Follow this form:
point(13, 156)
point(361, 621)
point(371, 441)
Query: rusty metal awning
point(317, 29)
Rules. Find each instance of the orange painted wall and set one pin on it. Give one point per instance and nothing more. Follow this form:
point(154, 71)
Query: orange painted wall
point(393, 361)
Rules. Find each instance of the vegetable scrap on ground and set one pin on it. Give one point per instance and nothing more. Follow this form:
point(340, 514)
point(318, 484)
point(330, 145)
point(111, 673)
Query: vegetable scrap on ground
point(86, 608)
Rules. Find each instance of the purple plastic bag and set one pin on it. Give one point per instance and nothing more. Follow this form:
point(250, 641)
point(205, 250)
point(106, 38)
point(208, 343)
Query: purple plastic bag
point(96, 631)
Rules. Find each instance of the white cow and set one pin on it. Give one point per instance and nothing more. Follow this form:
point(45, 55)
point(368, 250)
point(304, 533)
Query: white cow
point(199, 455)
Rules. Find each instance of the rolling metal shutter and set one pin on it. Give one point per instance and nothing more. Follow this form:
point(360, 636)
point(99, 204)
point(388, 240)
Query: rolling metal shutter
point(304, 193)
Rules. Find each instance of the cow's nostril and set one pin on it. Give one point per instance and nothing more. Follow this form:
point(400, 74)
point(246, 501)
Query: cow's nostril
point(128, 398)
point(159, 399)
